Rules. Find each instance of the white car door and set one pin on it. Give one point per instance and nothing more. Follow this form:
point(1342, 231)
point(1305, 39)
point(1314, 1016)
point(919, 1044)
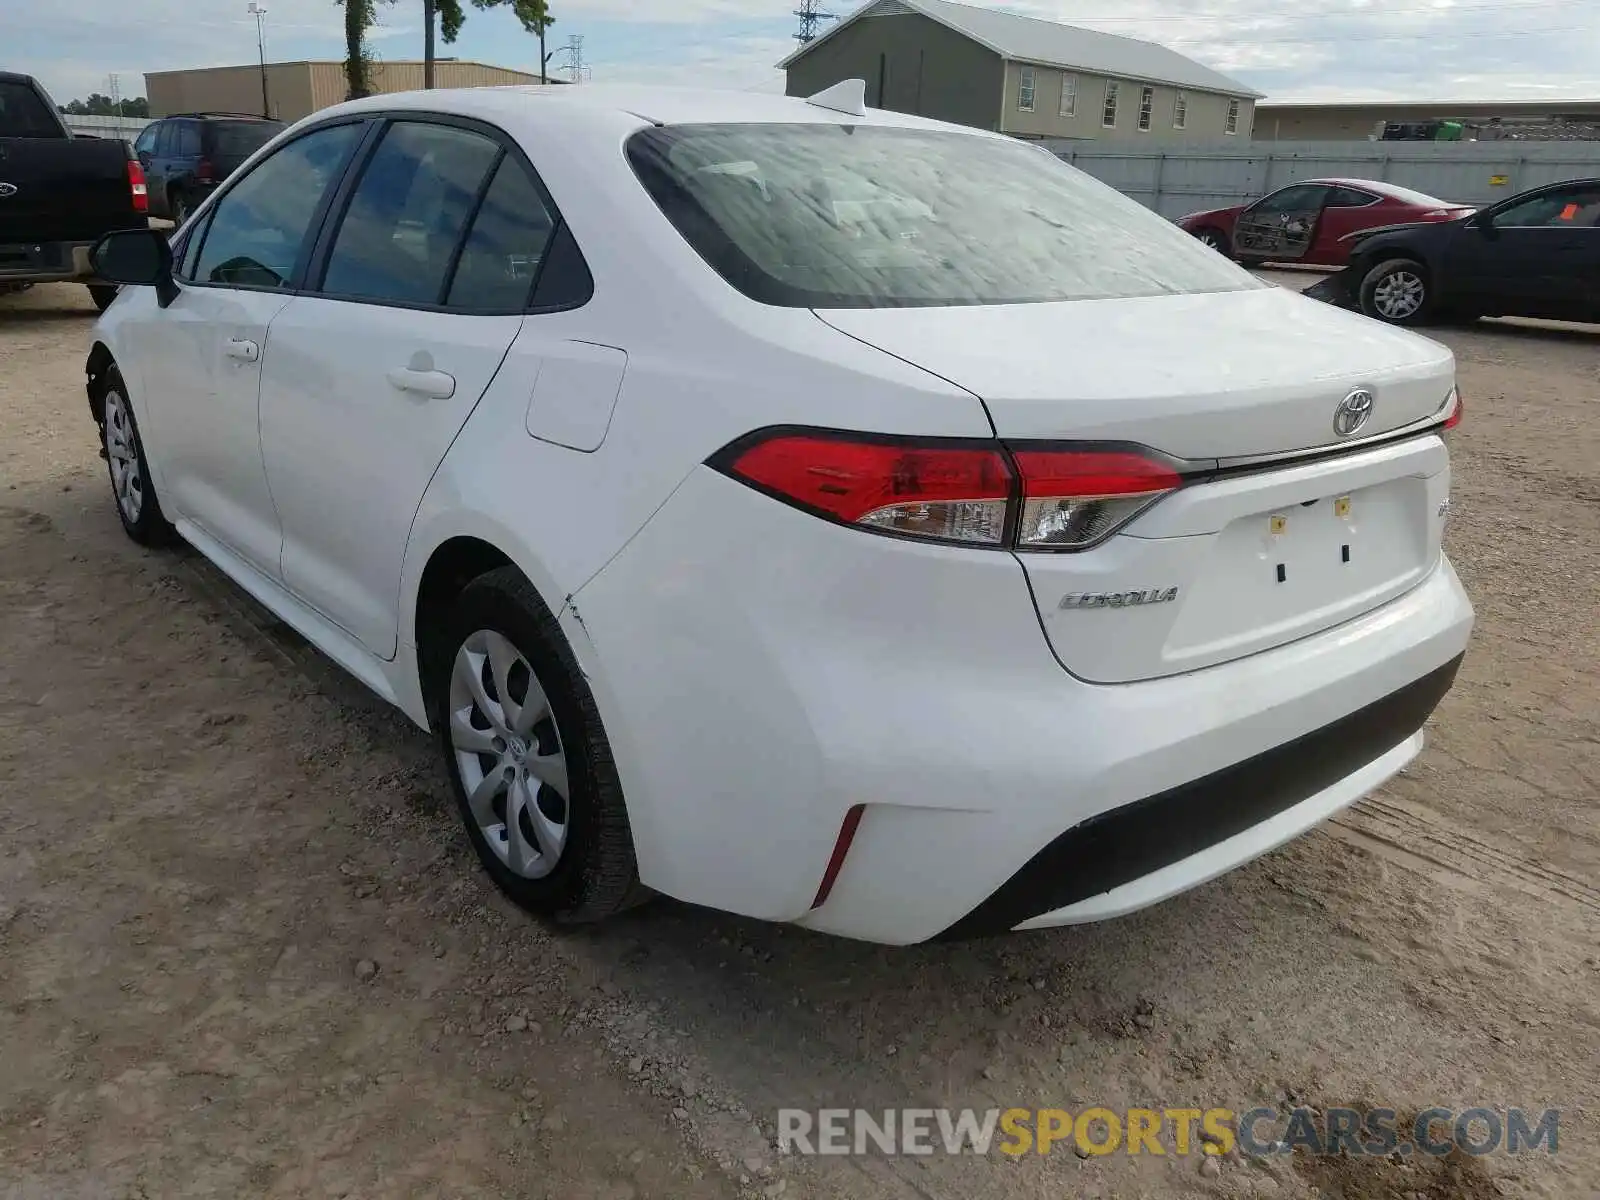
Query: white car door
point(200, 358)
point(416, 294)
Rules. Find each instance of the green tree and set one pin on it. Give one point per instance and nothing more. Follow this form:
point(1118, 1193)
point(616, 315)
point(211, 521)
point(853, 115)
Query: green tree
point(448, 16)
point(359, 16)
point(100, 105)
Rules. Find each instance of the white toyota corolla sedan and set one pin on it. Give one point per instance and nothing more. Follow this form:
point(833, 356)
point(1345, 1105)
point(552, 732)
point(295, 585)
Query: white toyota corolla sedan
point(822, 514)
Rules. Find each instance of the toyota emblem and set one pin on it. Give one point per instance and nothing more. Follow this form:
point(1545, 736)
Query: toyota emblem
point(1353, 412)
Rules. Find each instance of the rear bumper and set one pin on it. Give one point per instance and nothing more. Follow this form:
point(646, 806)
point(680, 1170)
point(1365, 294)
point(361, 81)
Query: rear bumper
point(761, 673)
point(1078, 876)
point(44, 262)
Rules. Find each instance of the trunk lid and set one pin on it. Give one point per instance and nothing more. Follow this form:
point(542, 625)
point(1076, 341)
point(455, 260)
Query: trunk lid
point(1250, 555)
point(1216, 375)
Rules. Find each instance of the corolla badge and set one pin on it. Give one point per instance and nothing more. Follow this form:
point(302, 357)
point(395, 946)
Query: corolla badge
point(1119, 599)
point(7, 189)
point(1353, 412)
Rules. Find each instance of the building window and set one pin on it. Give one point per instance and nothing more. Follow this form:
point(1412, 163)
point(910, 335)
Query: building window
point(1180, 111)
point(1147, 104)
point(1108, 116)
point(1069, 95)
point(1025, 90)
point(1233, 118)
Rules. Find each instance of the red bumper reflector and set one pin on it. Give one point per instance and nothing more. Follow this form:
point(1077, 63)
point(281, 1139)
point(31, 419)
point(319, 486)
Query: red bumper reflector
point(847, 834)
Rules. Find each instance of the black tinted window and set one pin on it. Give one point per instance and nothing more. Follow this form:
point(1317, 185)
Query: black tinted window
point(408, 213)
point(1346, 197)
point(869, 216)
point(240, 139)
point(507, 242)
point(23, 114)
point(147, 140)
point(256, 234)
point(188, 140)
point(1565, 208)
point(166, 139)
point(1302, 198)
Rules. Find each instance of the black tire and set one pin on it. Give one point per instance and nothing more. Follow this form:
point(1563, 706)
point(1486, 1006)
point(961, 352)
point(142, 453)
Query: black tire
point(119, 437)
point(102, 294)
point(1402, 277)
point(596, 874)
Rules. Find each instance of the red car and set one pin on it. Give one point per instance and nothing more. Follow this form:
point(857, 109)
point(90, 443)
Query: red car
point(1307, 222)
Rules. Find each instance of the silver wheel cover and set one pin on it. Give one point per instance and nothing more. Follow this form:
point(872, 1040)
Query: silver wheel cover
point(510, 754)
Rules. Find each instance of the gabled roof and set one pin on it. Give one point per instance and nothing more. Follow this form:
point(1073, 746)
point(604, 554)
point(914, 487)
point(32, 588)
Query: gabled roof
point(1030, 39)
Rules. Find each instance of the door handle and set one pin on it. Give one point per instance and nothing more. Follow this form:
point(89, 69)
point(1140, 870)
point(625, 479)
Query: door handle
point(243, 349)
point(435, 385)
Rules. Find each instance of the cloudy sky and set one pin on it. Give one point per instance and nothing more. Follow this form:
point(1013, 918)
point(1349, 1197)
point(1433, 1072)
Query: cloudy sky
point(1290, 49)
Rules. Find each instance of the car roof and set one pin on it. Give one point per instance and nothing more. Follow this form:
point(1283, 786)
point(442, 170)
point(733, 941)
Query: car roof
point(603, 105)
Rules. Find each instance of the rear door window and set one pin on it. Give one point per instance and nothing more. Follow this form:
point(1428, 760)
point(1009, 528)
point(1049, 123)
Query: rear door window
point(399, 236)
point(506, 246)
point(240, 139)
point(188, 140)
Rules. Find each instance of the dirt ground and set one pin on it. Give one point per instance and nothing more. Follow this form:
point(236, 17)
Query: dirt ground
point(244, 950)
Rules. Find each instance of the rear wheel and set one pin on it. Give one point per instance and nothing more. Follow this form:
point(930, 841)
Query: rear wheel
point(527, 756)
point(1213, 237)
point(1397, 291)
point(102, 294)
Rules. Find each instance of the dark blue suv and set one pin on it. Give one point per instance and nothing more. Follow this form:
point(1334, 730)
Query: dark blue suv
point(187, 154)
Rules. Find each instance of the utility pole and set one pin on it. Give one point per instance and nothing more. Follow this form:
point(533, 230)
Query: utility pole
point(256, 11)
point(811, 16)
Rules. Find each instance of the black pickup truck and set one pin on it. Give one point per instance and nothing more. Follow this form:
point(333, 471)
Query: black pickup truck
point(59, 193)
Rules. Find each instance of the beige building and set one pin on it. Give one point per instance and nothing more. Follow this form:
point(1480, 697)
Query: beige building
point(1022, 75)
point(297, 89)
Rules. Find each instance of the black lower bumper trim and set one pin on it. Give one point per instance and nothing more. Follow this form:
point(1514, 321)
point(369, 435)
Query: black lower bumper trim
point(1127, 843)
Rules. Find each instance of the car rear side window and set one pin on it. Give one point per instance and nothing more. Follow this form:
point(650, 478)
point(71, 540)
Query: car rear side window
point(23, 114)
point(508, 241)
point(866, 216)
point(1348, 197)
point(399, 236)
point(238, 140)
point(260, 225)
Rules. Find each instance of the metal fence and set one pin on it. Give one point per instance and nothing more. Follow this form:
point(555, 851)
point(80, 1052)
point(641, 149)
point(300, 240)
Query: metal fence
point(1183, 179)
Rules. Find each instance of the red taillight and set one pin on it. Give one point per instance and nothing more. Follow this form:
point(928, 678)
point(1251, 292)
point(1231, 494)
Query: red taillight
point(136, 187)
point(204, 171)
point(1457, 411)
point(954, 492)
point(1031, 496)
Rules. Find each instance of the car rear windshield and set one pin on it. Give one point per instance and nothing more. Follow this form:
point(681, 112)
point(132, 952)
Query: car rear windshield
point(240, 139)
point(840, 216)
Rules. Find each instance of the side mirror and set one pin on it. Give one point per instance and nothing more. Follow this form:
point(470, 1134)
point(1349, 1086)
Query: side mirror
point(1482, 221)
point(141, 257)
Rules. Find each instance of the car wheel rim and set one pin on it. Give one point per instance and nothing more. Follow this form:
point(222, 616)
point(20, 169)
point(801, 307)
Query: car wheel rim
point(122, 452)
point(1398, 294)
point(1210, 238)
point(510, 755)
